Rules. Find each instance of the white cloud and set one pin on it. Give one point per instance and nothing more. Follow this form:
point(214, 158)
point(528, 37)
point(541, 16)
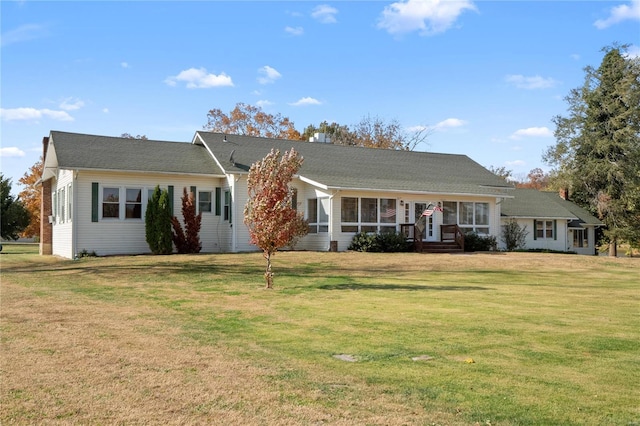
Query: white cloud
point(515, 163)
point(538, 132)
point(124, 64)
point(264, 103)
point(633, 52)
point(306, 101)
point(449, 123)
point(575, 56)
point(295, 31)
point(22, 33)
point(11, 151)
point(268, 75)
point(15, 114)
point(105, 110)
point(620, 13)
point(198, 78)
point(427, 16)
point(534, 82)
point(71, 104)
point(325, 14)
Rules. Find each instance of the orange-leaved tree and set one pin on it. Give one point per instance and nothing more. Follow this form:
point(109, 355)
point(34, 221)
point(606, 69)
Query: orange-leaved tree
point(30, 197)
point(251, 120)
point(272, 221)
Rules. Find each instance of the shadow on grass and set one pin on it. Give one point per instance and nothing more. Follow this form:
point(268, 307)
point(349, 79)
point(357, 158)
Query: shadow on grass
point(406, 287)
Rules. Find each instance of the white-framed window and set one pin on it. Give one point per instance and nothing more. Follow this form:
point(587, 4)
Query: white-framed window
point(110, 202)
point(544, 229)
point(123, 203)
point(318, 215)
point(227, 206)
point(204, 201)
point(62, 202)
point(133, 203)
point(368, 214)
point(470, 216)
point(69, 203)
point(581, 238)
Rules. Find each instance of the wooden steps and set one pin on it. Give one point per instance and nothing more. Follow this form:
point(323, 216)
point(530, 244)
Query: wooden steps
point(441, 247)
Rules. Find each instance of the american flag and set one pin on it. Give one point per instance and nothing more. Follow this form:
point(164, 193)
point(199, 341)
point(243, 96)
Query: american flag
point(388, 213)
point(432, 208)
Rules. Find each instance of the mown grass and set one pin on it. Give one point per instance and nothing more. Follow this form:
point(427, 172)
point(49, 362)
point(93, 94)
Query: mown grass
point(554, 339)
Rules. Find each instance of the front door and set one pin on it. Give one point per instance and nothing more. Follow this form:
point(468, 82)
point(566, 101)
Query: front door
point(424, 222)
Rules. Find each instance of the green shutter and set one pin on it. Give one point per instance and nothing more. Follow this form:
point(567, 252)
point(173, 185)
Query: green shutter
point(195, 195)
point(535, 229)
point(170, 190)
point(227, 202)
point(218, 201)
point(555, 230)
point(294, 199)
point(94, 201)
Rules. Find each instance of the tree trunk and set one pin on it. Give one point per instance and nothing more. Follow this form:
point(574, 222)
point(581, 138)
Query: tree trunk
point(268, 275)
point(613, 248)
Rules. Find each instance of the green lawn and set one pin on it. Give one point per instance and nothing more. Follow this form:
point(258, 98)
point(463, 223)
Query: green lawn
point(522, 339)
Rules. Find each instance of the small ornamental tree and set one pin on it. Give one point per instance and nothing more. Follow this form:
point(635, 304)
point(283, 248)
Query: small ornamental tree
point(158, 222)
point(272, 221)
point(513, 236)
point(187, 240)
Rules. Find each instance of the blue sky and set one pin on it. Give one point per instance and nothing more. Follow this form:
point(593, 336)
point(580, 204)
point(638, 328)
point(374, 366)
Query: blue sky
point(486, 77)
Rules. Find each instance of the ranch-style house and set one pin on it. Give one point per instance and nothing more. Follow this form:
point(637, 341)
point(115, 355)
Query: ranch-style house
point(96, 188)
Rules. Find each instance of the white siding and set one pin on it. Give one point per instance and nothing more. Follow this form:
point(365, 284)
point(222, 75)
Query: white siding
point(62, 244)
point(119, 236)
point(560, 243)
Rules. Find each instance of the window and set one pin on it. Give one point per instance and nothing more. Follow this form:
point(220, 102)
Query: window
point(294, 198)
point(470, 216)
point(69, 202)
point(581, 238)
point(54, 211)
point(61, 203)
point(227, 206)
point(204, 201)
point(349, 214)
point(110, 202)
point(369, 211)
point(544, 229)
point(318, 215)
point(375, 214)
point(133, 204)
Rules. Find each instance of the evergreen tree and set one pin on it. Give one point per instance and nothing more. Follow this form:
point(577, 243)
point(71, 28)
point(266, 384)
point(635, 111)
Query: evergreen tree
point(158, 222)
point(13, 215)
point(597, 154)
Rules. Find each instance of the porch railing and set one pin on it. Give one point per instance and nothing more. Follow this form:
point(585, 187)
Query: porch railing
point(409, 231)
point(452, 233)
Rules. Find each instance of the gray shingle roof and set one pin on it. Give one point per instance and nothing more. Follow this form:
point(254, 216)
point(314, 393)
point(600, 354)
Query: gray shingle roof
point(80, 151)
point(345, 167)
point(531, 203)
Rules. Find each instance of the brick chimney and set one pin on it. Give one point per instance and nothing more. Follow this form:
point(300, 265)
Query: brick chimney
point(46, 229)
point(564, 193)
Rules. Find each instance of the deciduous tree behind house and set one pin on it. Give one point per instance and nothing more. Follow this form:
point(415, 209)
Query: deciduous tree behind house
point(272, 221)
point(30, 197)
point(249, 120)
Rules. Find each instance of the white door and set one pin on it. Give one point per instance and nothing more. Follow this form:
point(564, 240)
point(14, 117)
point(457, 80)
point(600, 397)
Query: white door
point(424, 222)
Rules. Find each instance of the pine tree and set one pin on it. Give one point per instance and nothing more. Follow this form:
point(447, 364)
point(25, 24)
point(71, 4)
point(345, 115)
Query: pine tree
point(158, 222)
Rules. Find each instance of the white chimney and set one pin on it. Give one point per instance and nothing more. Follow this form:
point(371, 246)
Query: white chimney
point(320, 137)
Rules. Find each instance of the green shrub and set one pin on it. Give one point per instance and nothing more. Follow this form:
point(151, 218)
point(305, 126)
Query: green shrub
point(377, 243)
point(475, 242)
point(158, 223)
